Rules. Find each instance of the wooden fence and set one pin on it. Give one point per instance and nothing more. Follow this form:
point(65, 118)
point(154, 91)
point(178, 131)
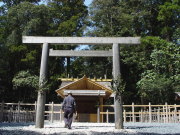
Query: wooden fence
point(142, 113)
point(25, 112)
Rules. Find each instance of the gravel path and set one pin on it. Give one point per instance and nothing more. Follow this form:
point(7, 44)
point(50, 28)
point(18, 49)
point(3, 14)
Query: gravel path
point(57, 128)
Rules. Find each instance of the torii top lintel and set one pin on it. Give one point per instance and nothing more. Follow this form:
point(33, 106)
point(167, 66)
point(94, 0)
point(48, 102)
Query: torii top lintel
point(81, 40)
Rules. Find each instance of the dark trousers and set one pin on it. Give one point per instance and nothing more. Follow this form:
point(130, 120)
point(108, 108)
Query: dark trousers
point(68, 116)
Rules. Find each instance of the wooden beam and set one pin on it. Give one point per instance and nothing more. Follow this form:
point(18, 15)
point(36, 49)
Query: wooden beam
point(86, 92)
point(70, 53)
point(76, 79)
point(81, 40)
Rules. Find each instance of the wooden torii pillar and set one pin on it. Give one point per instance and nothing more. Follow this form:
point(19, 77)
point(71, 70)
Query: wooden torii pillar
point(115, 41)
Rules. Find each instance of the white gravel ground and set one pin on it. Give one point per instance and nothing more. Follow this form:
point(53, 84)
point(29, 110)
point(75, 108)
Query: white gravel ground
point(57, 128)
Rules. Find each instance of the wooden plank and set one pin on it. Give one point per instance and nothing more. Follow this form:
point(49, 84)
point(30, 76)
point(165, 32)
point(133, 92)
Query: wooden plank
point(86, 92)
point(150, 113)
point(107, 116)
point(133, 113)
point(52, 112)
point(71, 53)
point(124, 115)
point(81, 40)
point(142, 105)
point(167, 113)
point(98, 114)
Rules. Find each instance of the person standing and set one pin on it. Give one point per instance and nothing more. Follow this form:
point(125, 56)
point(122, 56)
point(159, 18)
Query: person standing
point(69, 107)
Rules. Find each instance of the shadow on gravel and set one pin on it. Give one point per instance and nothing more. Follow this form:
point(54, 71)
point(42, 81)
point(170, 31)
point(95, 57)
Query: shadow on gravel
point(137, 127)
point(15, 124)
point(18, 132)
point(108, 133)
point(88, 127)
point(140, 133)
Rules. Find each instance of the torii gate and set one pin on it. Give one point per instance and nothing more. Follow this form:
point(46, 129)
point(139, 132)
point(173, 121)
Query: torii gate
point(115, 53)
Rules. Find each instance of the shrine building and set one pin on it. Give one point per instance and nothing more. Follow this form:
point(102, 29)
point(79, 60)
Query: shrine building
point(88, 93)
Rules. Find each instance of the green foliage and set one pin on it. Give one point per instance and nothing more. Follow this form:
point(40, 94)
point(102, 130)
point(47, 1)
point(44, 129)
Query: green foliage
point(25, 87)
point(148, 70)
point(169, 18)
point(25, 79)
point(135, 18)
point(156, 88)
point(160, 79)
point(68, 17)
point(27, 17)
point(11, 3)
point(110, 18)
point(91, 67)
point(176, 82)
point(118, 85)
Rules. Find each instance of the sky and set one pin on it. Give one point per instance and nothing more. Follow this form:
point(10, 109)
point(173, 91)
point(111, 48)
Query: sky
point(87, 2)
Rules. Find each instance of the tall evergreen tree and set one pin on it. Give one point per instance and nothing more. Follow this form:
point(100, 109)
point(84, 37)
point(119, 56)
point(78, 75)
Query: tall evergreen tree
point(69, 19)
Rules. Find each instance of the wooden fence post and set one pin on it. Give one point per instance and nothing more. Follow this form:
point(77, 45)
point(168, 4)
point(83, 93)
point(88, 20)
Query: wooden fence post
point(19, 111)
point(150, 113)
point(158, 115)
point(175, 111)
point(163, 114)
point(107, 116)
point(154, 115)
point(169, 114)
point(124, 115)
point(26, 116)
point(133, 115)
point(35, 106)
point(52, 111)
point(141, 115)
point(10, 115)
point(60, 118)
point(166, 112)
point(2, 112)
point(144, 115)
point(61, 113)
point(98, 114)
point(179, 115)
point(35, 109)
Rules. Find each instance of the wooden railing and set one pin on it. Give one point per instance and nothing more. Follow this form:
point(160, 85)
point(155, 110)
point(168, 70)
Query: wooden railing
point(142, 113)
point(25, 112)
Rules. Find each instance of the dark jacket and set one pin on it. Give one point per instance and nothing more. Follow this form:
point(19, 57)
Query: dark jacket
point(69, 103)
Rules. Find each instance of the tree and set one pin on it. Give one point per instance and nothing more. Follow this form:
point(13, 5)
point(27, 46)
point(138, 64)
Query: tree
point(11, 3)
point(156, 88)
point(21, 19)
point(159, 80)
point(26, 86)
point(169, 18)
point(110, 18)
point(68, 20)
point(68, 17)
